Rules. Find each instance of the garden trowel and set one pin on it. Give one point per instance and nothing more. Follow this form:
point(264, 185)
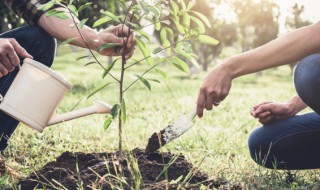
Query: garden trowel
point(171, 132)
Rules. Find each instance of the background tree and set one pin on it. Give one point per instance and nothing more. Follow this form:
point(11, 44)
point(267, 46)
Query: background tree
point(294, 20)
point(8, 19)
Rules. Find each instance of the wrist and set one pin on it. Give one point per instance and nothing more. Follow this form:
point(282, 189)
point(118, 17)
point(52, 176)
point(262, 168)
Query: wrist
point(291, 107)
point(91, 38)
point(233, 66)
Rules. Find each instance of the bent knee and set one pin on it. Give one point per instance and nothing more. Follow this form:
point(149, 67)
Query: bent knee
point(260, 148)
point(307, 81)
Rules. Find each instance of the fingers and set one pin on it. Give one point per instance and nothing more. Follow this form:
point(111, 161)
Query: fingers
point(9, 51)
point(266, 120)
point(122, 30)
point(209, 102)
point(7, 63)
point(263, 108)
point(130, 53)
point(3, 70)
point(19, 50)
point(262, 103)
point(200, 103)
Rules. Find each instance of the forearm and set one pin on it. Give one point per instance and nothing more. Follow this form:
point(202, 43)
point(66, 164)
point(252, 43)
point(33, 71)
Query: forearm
point(63, 30)
point(287, 49)
point(296, 105)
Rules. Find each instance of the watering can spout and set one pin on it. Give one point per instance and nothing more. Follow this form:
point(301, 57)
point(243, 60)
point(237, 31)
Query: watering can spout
point(98, 107)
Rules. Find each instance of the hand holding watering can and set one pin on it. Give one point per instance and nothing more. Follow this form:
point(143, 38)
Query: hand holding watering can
point(36, 92)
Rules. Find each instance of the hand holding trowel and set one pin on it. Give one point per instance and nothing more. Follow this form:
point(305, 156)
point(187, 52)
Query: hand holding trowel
point(171, 132)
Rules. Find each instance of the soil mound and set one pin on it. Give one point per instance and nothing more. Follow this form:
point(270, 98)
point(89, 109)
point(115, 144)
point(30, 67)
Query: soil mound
point(134, 169)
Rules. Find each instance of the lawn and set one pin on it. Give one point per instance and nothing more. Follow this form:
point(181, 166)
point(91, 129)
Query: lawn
point(219, 138)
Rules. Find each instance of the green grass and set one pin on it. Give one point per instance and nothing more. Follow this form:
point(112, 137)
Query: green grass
point(220, 137)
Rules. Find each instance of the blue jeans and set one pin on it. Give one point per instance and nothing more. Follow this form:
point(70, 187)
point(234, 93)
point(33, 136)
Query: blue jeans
point(42, 47)
point(293, 143)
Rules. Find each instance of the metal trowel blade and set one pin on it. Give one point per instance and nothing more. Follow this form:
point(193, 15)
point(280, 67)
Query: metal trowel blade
point(171, 132)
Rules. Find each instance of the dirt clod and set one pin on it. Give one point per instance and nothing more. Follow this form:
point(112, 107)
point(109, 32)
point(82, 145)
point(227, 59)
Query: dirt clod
point(134, 169)
point(155, 142)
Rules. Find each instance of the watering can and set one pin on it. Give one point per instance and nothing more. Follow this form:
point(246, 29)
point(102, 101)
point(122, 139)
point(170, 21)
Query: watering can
point(35, 94)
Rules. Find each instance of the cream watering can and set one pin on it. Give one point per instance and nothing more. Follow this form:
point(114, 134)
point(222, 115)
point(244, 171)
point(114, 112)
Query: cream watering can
point(36, 92)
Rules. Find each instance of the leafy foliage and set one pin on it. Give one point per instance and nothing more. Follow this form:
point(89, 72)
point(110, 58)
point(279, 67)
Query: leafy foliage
point(137, 15)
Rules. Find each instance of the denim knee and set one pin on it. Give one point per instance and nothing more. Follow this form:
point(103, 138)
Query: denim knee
point(259, 147)
point(307, 81)
point(44, 45)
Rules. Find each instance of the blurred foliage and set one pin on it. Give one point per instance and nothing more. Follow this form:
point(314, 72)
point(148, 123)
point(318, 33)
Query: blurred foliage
point(94, 12)
point(8, 19)
point(257, 21)
point(294, 20)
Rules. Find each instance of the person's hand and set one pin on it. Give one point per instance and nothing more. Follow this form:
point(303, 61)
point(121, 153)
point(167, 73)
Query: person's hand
point(118, 34)
point(267, 112)
point(10, 50)
point(214, 89)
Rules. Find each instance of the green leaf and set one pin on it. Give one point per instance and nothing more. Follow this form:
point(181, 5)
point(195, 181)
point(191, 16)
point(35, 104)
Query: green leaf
point(47, 6)
point(179, 27)
point(162, 73)
point(203, 18)
point(134, 25)
point(154, 80)
point(123, 111)
point(195, 63)
point(82, 23)
point(183, 5)
point(67, 41)
point(185, 19)
point(82, 57)
point(163, 35)
point(145, 51)
point(115, 110)
point(107, 122)
point(90, 63)
point(167, 45)
point(175, 7)
point(171, 34)
point(112, 16)
point(144, 7)
point(208, 40)
point(73, 10)
point(98, 90)
point(191, 5)
point(123, 6)
point(200, 24)
point(107, 46)
point(101, 21)
point(70, 2)
point(180, 64)
point(157, 26)
point(157, 50)
point(183, 53)
point(58, 14)
point(144, 34)
point(144, 81)
point(84, 6)
point(108, 69)
point(156, 12)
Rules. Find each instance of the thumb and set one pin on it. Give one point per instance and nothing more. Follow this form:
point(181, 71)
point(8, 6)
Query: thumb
point(263, 108)
point(19, 49)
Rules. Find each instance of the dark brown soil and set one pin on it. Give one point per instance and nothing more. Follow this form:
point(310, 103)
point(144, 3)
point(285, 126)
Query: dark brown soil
point(155, 142)
point(135, 170)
